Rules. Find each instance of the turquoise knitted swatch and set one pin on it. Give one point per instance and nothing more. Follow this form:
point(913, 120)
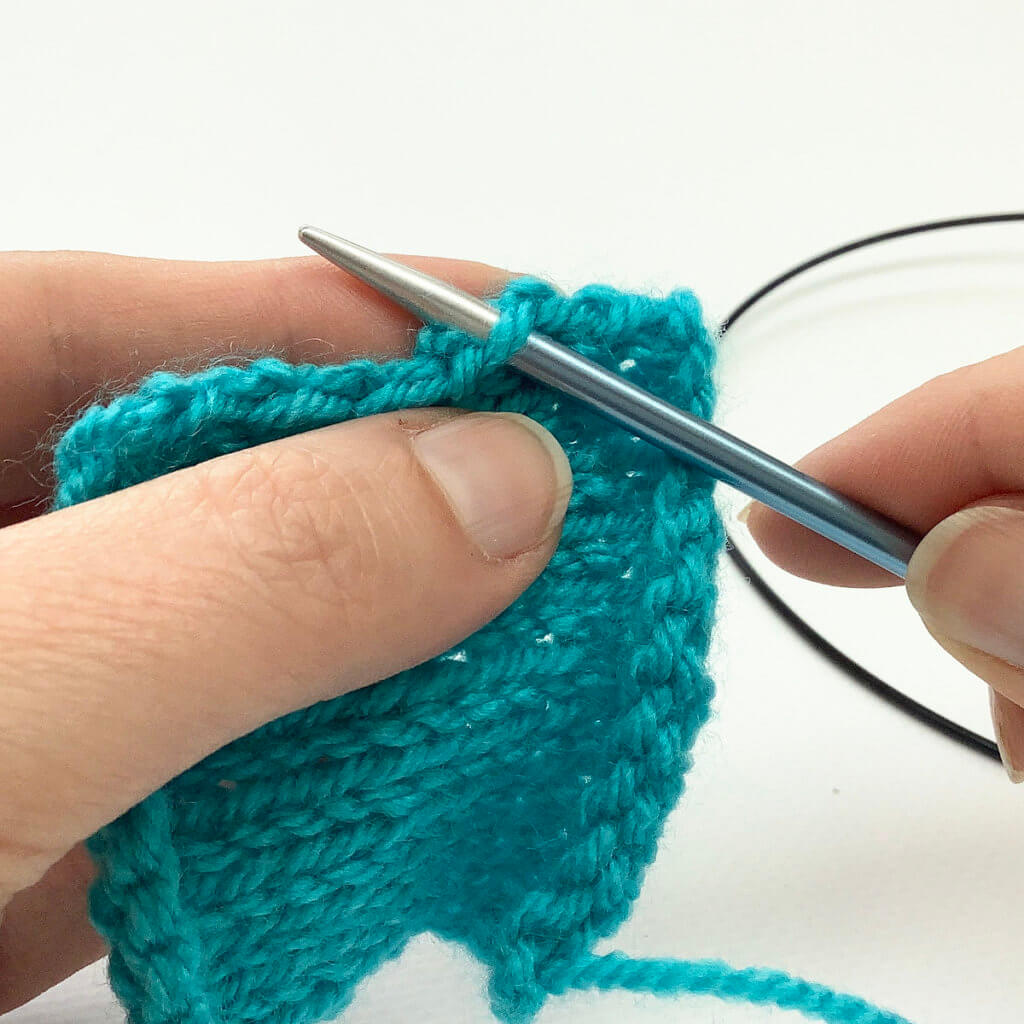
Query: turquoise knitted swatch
point(508, 795)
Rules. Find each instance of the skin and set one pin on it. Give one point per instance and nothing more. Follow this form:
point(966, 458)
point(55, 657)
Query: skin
point(143, 630)
point(946, 460)
point(213, 589)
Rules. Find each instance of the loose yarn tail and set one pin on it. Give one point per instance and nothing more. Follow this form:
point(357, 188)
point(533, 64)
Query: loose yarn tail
point(713, 977)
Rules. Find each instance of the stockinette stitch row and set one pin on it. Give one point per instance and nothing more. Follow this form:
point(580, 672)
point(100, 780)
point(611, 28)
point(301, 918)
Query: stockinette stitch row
point(508, 795)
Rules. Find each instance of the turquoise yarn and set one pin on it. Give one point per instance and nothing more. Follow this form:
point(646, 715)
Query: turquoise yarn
point(508, 795)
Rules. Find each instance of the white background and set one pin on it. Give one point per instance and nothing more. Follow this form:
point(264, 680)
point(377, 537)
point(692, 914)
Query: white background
point(648, 144)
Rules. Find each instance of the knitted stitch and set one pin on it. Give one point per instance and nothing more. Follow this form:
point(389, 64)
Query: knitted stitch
point(507, 795)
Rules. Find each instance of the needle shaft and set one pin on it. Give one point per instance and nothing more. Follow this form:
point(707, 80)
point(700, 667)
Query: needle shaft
point(716, 452)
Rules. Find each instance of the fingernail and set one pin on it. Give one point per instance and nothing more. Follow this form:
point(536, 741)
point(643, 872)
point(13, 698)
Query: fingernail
point(1008, 721)
point(506, 478)
point(744, 513)
point(966, 580)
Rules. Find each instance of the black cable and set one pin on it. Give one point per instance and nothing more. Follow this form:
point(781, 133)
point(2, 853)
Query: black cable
point(890, 694)
point(862, 243)
point(886, 691)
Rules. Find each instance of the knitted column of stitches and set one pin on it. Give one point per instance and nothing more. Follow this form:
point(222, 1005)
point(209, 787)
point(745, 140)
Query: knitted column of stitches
point(508, 795)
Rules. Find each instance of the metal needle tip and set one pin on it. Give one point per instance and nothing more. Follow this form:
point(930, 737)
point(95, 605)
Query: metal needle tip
point(714, 451)
point(319, 241)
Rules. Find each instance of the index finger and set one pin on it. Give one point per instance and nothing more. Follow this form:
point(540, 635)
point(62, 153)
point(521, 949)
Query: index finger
point(72, 323)
point(951, 442)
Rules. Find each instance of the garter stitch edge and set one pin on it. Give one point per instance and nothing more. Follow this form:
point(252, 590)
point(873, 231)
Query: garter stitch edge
point(507, 795)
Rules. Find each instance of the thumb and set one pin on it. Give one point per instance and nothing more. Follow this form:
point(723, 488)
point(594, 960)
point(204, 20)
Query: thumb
point(143, 630)
point(966, 580)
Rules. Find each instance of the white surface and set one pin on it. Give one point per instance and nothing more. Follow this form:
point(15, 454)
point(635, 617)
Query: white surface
point(650, 145)
point(833, 348)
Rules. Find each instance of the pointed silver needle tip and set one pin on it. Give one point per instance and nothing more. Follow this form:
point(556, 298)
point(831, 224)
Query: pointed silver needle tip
point(750, 470)
point(423, 295)
point(322, 242)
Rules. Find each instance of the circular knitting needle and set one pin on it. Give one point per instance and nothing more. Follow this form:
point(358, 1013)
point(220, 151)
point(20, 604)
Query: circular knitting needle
point(801, 498)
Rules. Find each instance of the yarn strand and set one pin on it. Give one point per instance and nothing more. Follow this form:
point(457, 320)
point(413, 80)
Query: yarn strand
point(757, 985)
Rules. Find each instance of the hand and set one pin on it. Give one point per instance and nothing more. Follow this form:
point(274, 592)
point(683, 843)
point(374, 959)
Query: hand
point(144, 630)
point(947, 460)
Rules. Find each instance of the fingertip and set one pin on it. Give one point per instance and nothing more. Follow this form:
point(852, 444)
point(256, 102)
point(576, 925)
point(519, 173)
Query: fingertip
point(806, 554)
point(1008, 723)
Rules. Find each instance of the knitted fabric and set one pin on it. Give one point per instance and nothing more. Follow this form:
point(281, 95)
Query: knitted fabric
point(508, 795)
